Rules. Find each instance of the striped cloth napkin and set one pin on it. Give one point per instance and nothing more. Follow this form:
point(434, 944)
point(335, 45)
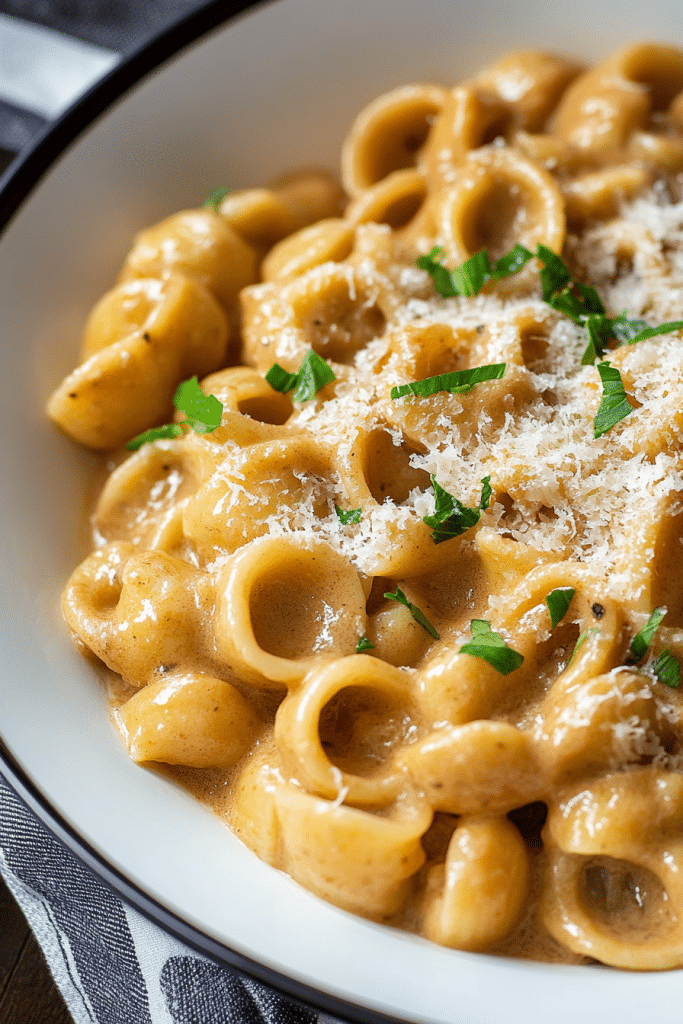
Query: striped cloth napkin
point(110, 963)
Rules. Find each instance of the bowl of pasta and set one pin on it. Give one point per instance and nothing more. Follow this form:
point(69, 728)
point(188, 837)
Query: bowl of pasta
point(343, 348)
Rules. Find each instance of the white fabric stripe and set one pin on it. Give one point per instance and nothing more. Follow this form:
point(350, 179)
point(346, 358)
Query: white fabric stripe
point(154, 947)
point(44, 71)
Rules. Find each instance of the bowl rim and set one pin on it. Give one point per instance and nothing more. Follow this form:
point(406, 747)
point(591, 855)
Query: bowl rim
point(16, 185)
point(34, 161)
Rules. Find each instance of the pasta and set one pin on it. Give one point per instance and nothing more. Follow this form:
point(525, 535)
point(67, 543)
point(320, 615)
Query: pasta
point(409, 613)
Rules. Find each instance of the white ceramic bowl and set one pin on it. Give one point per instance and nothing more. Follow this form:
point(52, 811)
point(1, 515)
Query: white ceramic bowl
point(276, 88)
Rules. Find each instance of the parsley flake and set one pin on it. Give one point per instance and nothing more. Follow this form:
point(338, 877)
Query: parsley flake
point(643, 639)
point(164, 433)
point(351, 516)
point(364, 645)
point(603, 329)
point(583, 305)
point(451, 518)
point(486, 492)
point(586, 635)
point(457, 382)
point(419, 616)
point(203, 411)
point(280, 380)
point(667, 669)
point(203, 414)
point(630, 332)
point(580, 302)
point(470, 277)
point(215, 198)
point(561, 291)
point(313, 375)
point(600, 334)
point(438, 273)
point(615, 405)
point(558, 602)
point(491, 647)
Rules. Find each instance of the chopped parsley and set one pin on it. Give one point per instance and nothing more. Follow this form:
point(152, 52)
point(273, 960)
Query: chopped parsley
point(470, 277)
point(558, 602)
point(491, 647)
point(615, 405)
point(314, 373)
point(203, 414)
point(586, 635)
point(164, 433)
point(603, 329)
point(667, 669)
point(665, 666)
point(457, 382)
point(583, 305)
point(451, 518)
point(419, 616)
point(579, 302)
point(643, 639)
point(215, 198)
point(486, 493)
point(351, 516)
point(364, 645)
point(559, 289)
point(630, 332)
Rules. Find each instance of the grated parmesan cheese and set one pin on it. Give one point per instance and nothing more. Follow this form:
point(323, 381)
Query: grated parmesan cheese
point(565, 492)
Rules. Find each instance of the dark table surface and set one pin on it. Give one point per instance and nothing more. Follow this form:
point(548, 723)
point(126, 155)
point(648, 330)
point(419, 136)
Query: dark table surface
point(28, 994)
